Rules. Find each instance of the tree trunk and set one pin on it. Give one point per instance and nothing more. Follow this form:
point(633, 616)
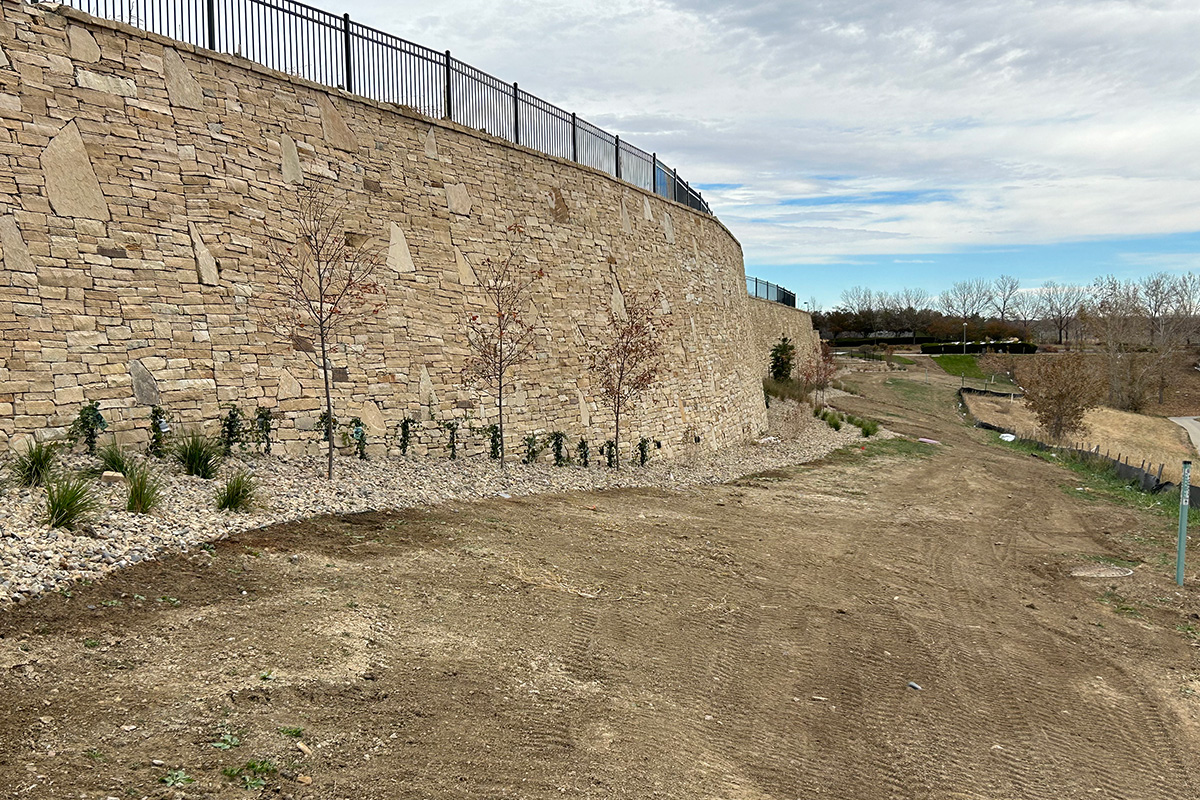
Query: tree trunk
point(617, 440)
point(500, 413)
point(328, 409)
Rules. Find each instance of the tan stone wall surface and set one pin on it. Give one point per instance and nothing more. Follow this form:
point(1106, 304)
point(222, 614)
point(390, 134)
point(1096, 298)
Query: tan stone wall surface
point(141, 182)
point(770, 321)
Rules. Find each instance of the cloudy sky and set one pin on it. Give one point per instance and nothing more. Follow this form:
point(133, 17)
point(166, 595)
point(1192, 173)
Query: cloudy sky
point(880, 142)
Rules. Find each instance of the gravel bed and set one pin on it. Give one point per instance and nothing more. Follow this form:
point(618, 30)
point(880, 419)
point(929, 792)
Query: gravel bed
point(35, 558)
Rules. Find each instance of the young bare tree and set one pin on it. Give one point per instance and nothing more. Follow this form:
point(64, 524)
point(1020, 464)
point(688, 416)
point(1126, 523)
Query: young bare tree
point(817, 373)
point(627, 355)
point(1026, 306)
point(1061, 305)
point(1004, 289)
point(965, 299)
point(500, 337)
point(326, 282)
point(1060, 390)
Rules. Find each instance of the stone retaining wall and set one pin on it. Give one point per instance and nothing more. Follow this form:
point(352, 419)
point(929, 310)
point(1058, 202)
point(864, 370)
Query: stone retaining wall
point(772, 320)
point(142, 182)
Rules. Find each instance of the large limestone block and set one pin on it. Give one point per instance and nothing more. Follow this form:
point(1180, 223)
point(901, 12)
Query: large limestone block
point(83, 45)
point(457, 198)
point(109, 84)
point(4, 62)
point(12, 244)
point(466, 275)
point(292, 171)
point(585, 413)
point(618, 302)
point(145, 388)
point(337, 132)
point(289, 387)
point(183, 89)
point(431, 150)
point(426, 395)
point(626, 223)
point(668, 228)
point(372, 418)
point(206, 264)
point(71, 182)
point(399, 258)
point(647, 211)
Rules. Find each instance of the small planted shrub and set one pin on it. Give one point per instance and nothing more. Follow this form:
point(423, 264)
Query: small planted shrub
point(159, 430)
point(237, 493)
point(357, 436)
point(199, 455)
point(68, 501)
point(233, 430)
point(782, 356)
point(33, 467)
point(87, 426)
point(493, 434)
point(609, 451)
point(406, 426)
point(533, 449)
point(326, 424)
point(643, 449)
point(262, 428)
point(145, 490)
point(558, 446)
point(450, 426)
point(113, 458)
point(584, 452)
point(832, 418)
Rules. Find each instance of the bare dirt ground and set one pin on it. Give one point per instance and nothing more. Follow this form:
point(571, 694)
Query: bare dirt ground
point(759, 639)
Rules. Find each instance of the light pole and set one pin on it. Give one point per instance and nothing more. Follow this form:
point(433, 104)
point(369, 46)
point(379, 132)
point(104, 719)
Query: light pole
point(964, 338)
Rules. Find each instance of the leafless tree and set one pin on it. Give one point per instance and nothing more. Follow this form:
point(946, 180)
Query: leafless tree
point(1115, 315)
point(911, 301)
point(817, 373)
point(965, 299)
point(627, 355)
point(1061, 305)
point(862, 303)
point(1026, 306)
point(500, 336)
point(326, 282)
point(1004, 289)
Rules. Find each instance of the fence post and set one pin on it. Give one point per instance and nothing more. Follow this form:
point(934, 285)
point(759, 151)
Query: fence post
point(212, 24)
point(1184, 502)
point(574, 138)
point(654, 172)
point(449, 95)
point(675, 185)
point(349, 62)
point(618, 161)
point(516, 114)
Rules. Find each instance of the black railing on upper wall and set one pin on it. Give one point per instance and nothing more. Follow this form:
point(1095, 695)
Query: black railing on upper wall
point(770, 291)
point(307, 42)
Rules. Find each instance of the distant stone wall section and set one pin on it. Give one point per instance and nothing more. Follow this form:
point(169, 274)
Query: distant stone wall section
point(770, 321)
point(141, 181)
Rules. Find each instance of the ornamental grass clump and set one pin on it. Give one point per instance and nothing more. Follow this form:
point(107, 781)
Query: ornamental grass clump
point(238, 492)
point(33, 467)
point(145, 490)
point(113, 458)
point(199, 455)
point(68, 501)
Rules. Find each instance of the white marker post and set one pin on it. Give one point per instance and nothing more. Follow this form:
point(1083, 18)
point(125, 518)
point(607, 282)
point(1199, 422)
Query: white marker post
point(1184, 502)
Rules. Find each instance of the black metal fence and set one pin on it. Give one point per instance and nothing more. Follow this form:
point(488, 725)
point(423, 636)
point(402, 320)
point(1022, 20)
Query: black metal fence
point(770, 291)
point(307, 42)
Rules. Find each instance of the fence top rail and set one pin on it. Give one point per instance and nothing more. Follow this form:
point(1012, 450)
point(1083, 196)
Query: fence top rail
point(672, 187)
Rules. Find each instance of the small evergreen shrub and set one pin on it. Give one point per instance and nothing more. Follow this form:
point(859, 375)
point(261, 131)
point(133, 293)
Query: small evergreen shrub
point(87, 426)
point(199, 455)
point(358, 436)
point(609, 451)
point(233, 430)
point(145, 490)
point(494, 444)
point(643, 448)
point(68, 501)
point(406, 426)
point(159, 430)
point(533, 449)
point(262, 428)
point(237, 493)
point(326, 424)
point(584, 452)
point(450, 426)
point(558, 445)
point(782, 356)
point(33, 467)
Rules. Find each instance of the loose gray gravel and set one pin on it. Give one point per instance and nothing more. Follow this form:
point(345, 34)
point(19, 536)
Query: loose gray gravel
point(35, 558)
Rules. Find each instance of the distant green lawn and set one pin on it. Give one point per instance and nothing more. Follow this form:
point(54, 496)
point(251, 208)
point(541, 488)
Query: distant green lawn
point(960, 365)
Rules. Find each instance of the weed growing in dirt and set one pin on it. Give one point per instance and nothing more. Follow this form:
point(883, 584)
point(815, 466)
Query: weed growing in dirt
point(1189, 630)
point(173, 602)
point(1119, 603)
point(33, 467)
point(902, 448)
point(227, 742)
point(95, 754)
point(68, 501)
point(238, 492)
point(91, 643)
point(251, 773)
point(199, 455)
point(293, 733)
point(176, 777)
point(145, 490)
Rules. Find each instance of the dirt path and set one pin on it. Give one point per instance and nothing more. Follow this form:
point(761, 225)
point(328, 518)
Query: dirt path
point(753, 640)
